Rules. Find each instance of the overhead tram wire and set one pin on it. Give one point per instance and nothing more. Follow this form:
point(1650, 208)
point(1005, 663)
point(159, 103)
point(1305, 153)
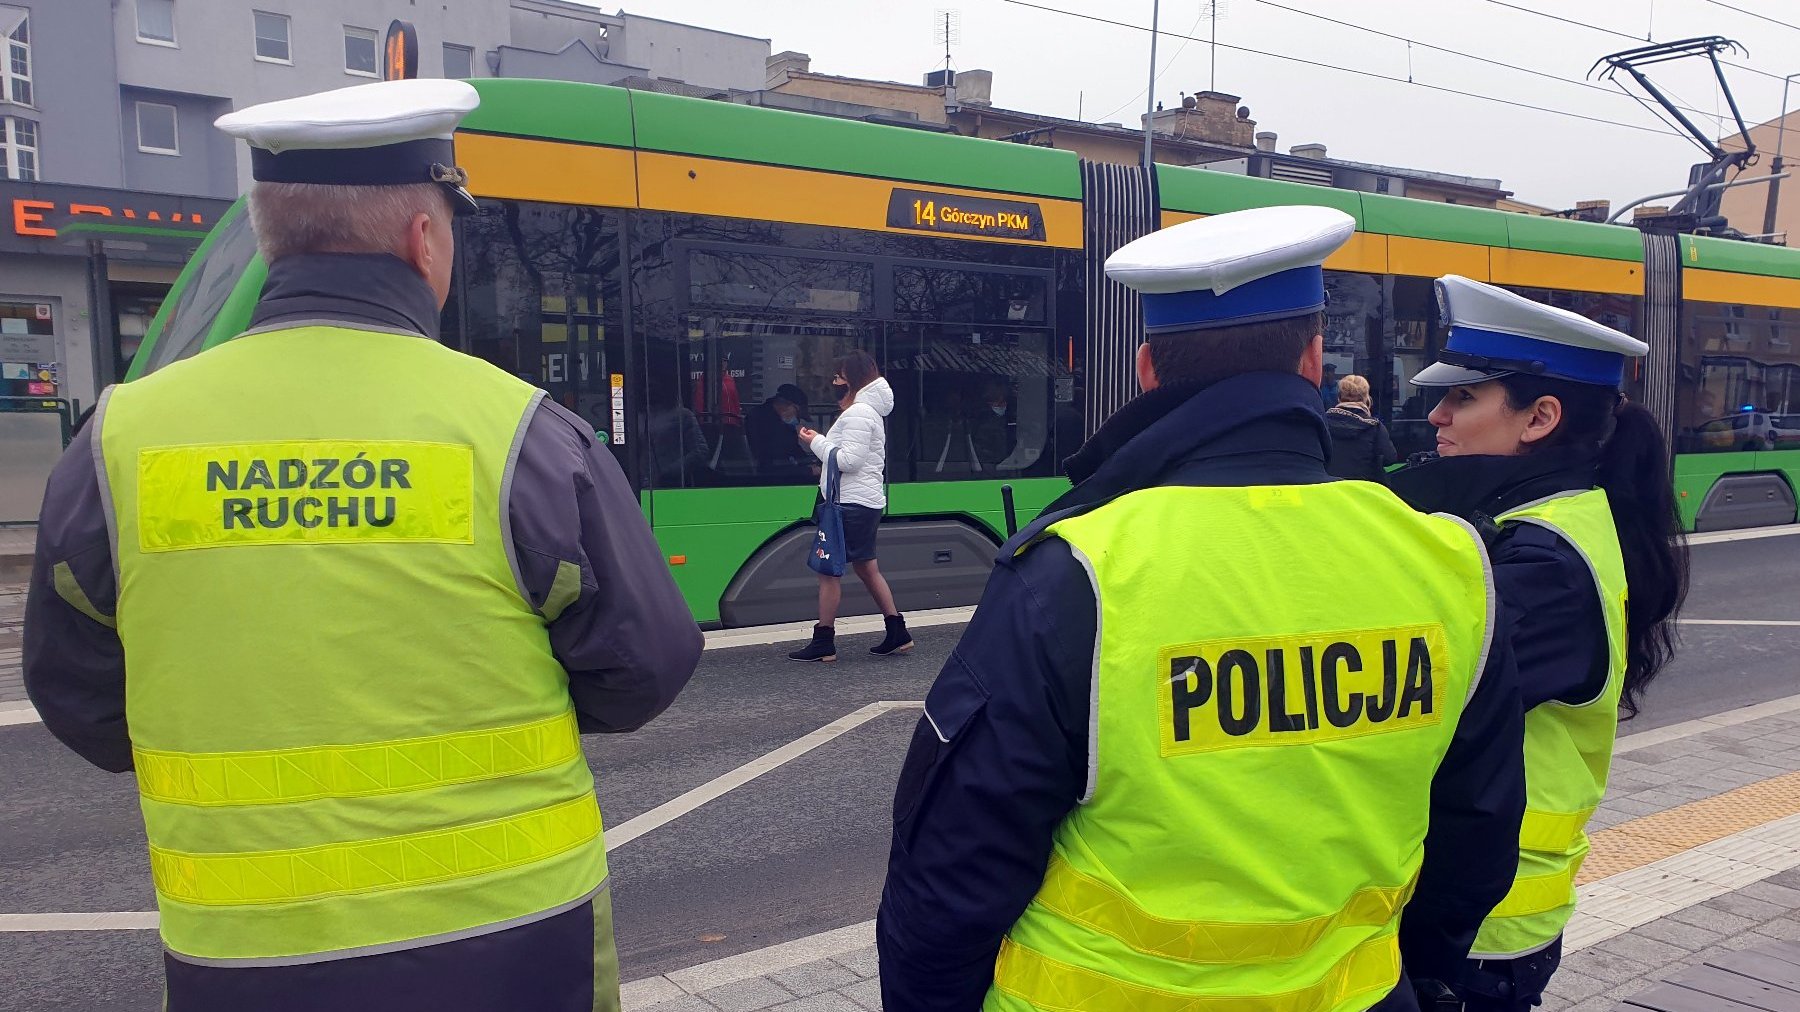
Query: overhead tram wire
point(1359, 73)
point(1159, 74)
point(1754, 14)
point(1615, 32)
point(1591, 86)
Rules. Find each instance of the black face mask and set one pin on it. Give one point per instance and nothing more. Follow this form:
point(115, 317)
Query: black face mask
point(840, 390)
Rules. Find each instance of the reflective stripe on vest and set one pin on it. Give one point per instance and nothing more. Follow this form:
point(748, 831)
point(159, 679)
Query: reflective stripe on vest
point(1370, 969)
point(350, 771)
point(1087, 900)
point(1235, 677)
point(392, 862)
point(1568, 749)
point(350, 731)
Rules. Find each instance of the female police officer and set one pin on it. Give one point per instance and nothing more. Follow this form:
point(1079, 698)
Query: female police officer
point(1534, 436)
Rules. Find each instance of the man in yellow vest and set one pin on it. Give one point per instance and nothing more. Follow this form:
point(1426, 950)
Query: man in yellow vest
point(1218, 717)
point(344, 599)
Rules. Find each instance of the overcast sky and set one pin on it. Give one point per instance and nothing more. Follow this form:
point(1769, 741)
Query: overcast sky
point(1057, 64)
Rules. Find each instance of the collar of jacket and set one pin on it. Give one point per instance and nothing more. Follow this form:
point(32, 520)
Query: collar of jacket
point(353, 289)
point(1478, 487)
point(1158, 436)
point(1351, 411)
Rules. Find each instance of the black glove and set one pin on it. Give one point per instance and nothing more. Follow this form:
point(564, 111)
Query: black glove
point(1435, 996)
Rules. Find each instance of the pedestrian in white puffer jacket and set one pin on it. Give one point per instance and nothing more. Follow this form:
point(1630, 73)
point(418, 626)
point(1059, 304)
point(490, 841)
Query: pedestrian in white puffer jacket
point(860, 438)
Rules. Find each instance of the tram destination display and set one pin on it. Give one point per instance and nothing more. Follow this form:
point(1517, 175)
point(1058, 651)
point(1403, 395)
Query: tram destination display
point(957, 214)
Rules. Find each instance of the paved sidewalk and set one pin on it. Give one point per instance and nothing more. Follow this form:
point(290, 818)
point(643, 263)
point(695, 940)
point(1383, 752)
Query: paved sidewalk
point(12, 619)
point(1696, 852)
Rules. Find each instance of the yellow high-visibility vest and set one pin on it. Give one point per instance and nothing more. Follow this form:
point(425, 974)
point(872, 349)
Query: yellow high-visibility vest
point(351, 735)
point(1568, 749)
point(1280, 671)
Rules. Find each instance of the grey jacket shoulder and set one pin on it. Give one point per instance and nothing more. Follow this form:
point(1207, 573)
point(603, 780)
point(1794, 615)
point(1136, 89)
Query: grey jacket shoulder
point(587, 560)
point(74, 664)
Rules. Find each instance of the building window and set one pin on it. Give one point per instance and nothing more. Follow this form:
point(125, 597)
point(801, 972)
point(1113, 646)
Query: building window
point(15, 71)
point(272, 45)
point(18, 148)
point(459, 62)
point(156, 22)
point(361, 52)
point(157, 134)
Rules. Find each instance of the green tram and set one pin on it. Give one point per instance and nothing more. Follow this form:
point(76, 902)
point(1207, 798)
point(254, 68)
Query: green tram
point(660, 265)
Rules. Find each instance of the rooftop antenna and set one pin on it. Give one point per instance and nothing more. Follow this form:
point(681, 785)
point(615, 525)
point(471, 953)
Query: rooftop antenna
point(1213, 10)
point(946, 28)
point(1698, 209)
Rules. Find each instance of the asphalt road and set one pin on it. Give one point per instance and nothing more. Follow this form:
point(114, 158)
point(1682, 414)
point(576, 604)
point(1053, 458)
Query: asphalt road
point(799, 850)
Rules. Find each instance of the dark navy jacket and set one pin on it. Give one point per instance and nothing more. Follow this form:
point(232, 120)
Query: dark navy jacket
point(1552, 609)
point(1001, 755)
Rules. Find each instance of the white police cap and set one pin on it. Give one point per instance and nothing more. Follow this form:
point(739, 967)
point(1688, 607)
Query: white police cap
point(384, 134)
point(1494, 333)
point(1241, 267)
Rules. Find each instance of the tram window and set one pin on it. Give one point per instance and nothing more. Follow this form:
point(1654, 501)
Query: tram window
point(989, 402)
point(538, 296)
point(767, 281)
point(1739, 384)
point(1415, 335)
point(966, 296)
point(212, 282)
point(1354, 308)
point(712, 394)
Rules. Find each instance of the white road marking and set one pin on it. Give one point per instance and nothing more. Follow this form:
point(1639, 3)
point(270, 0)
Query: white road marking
point(764, 635)
point(1747, 534)
point(135, 920)
point(1737, 621)
point(23, 713)
point(718, 787)
point(617, 836)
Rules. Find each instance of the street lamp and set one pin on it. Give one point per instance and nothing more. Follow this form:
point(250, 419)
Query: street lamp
point(1775, 168)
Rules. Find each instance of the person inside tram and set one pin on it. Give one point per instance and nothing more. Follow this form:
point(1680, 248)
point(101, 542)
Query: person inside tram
point(993, 428)
point(1537, 445)
point(773, 428)
point(678, 448)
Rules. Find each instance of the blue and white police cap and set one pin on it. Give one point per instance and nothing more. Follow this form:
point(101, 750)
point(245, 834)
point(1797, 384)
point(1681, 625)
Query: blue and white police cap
point(1495, 333)
point(385, 134)
point(1242, 267)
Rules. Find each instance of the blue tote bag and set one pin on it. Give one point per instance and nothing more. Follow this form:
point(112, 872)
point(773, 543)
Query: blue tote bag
point(827, 555)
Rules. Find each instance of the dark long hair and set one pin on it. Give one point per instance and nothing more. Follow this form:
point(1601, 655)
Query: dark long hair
point(858, 369)
point(1634, 471)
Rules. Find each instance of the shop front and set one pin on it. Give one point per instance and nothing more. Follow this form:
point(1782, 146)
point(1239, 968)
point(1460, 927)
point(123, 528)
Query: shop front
point(83, 270)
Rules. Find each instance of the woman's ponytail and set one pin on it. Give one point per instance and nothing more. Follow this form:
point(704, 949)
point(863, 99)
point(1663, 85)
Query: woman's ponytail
point(1634, 471)
point(1633, 468)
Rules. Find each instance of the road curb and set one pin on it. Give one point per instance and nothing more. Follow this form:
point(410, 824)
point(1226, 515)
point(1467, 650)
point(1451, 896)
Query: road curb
point(651, 991)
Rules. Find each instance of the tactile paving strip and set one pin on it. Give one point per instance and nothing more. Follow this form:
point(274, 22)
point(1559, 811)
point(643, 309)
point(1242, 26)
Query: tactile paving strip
point(1664, 834)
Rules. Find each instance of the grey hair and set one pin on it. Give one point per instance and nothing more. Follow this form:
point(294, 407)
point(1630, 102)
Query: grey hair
point(291, 218)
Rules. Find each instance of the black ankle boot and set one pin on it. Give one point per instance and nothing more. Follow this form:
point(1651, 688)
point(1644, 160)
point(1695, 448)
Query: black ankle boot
point(898, 640)
point(822, 648)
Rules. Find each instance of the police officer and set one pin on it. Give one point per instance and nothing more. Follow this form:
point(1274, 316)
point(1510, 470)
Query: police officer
point(344, 598)
point(1536, 443)
point(1217, 716)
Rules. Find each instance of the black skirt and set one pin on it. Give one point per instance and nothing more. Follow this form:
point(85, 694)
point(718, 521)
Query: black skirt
point(860, 525)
